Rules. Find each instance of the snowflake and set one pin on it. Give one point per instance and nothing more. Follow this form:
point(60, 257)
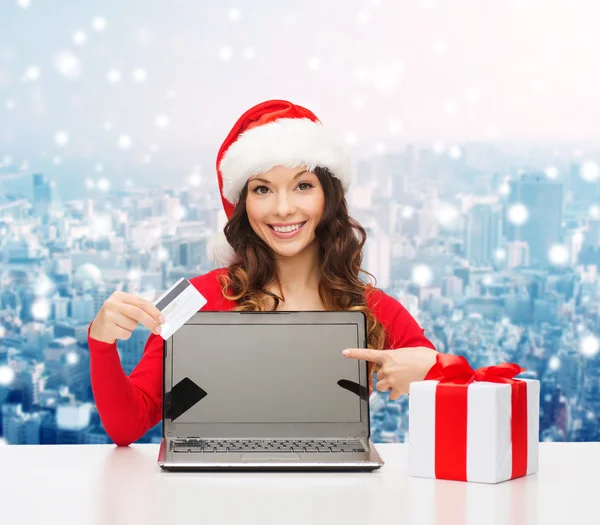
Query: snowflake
point(551, 172)
point(225, 53)
point(439, 148)
point(79, 38)
point(589, 345)
point(67, 64)
point(32, 73)
point(40, 310)
point(559, 254)
point(134, 274)
point(518, 214)
point(103, 184)
point(500, 254)
point(589, 171)
point(554, 363)
point(422, 275)
point(446, 214)
point(99, 23)
point(7, 375)
point(44, 285)
point(114, 76)
point(139, 75)
point(234, 14)
point(124, 141)
point(161, 121)
point(407, 212)
point(455, 152)
point(504, 189)
point(313, 63)
point(61, 138)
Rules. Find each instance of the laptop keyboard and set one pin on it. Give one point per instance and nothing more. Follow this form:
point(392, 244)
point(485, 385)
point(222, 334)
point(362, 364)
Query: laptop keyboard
point(266, 445)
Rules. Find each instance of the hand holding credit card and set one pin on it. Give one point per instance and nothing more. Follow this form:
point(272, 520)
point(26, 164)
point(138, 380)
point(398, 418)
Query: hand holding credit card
point(178, 304)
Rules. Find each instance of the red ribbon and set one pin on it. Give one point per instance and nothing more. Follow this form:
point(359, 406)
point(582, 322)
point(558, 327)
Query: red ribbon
point(455, 375)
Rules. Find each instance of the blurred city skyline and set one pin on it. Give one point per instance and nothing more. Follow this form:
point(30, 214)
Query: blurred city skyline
point(472, 126)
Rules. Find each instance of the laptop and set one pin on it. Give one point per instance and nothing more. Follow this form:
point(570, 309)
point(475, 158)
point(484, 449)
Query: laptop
point(266, 391)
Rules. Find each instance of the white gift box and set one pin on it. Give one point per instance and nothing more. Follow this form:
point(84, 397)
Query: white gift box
point(489, 455)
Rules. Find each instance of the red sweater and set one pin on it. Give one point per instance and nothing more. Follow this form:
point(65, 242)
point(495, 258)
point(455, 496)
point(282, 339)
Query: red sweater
point(130, 405)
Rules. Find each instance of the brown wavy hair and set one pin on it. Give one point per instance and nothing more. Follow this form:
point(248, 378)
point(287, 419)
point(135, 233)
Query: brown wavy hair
point(341, 239)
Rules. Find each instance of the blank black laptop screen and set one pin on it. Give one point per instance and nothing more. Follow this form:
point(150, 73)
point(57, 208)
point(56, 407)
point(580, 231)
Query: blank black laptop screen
point(269, 373)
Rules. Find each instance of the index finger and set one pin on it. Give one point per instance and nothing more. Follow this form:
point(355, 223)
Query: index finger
point(368, 354)
point(145, 305)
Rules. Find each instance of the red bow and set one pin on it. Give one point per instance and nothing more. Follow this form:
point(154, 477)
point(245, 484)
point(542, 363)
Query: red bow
point(455, 375)
point(456, 369)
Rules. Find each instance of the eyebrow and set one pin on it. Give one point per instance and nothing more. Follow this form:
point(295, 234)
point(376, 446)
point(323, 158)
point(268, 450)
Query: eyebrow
point(269, 182)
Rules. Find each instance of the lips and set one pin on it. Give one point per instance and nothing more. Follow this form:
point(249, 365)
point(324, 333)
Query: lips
point(286, 235)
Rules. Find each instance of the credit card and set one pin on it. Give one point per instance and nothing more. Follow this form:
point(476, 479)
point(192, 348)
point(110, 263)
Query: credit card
point(178, 304)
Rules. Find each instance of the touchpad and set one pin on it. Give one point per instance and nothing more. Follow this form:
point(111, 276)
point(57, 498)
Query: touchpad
point(270, 457)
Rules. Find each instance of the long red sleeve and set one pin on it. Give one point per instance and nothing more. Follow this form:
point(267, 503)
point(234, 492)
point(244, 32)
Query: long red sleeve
point(131, 405)
point(401, 328)
point(128, 406)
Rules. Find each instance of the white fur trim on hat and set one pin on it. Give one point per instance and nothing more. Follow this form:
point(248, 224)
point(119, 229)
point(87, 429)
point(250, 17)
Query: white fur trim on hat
point(220, 251)
point(289, 142)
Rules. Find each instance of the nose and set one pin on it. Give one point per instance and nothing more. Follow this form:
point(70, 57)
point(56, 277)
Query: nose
point(284, 206)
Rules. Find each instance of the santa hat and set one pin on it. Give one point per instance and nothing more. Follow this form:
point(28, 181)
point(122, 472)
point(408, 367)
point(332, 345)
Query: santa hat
point(273, 133)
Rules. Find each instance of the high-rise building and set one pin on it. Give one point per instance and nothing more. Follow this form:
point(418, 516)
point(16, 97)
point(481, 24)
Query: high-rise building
point(42, 196)
point(517, 254)
point(452, 286)
point(582, 191)
point(377, 256)
point(592, 236)
point(483, 233)
point(541, 226)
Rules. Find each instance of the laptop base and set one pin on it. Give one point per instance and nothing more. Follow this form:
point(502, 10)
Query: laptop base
point(238, 462)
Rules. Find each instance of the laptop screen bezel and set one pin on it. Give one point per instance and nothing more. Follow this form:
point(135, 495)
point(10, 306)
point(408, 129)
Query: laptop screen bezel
point(360, 429)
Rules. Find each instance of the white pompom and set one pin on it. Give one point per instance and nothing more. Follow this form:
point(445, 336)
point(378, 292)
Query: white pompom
point(220, 251)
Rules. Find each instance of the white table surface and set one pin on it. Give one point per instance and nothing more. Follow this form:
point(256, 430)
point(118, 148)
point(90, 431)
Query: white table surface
point(105, 484)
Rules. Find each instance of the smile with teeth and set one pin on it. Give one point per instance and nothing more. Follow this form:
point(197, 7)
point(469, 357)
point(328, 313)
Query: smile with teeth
point(287, 229)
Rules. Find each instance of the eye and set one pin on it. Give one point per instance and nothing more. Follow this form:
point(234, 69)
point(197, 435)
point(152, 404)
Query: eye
point(256, 190)
point(306, 184)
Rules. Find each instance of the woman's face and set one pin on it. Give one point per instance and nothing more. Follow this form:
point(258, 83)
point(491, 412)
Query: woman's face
point(290, 200)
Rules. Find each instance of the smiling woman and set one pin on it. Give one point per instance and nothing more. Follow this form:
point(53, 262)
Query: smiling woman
point(289, 244)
